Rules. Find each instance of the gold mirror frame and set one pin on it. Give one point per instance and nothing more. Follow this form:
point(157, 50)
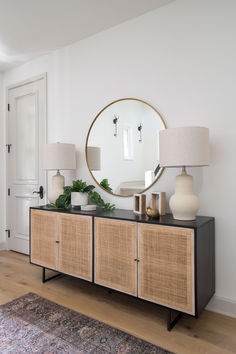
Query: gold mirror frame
point(86, 146)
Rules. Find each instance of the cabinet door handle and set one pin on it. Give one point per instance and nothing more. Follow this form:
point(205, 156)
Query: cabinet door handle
point(57, 241)
point(136, 260)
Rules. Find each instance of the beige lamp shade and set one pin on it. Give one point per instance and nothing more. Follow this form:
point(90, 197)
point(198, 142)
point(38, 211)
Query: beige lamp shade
point(94, 158)
point(184, 146)
point(59, 156)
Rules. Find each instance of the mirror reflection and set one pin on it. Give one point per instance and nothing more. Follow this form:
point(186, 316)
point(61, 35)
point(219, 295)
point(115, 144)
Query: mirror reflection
point(122, 147)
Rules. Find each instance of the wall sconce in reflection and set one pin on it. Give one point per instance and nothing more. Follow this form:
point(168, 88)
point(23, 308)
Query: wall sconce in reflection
point(115, 122)
point(140, 127)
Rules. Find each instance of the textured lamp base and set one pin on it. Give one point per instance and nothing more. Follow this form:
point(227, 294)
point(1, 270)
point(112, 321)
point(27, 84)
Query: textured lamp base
point(58, 182)
point(184, 204)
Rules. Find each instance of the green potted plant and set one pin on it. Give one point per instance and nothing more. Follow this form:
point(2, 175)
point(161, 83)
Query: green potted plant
point(80, 192)
point(85, 191)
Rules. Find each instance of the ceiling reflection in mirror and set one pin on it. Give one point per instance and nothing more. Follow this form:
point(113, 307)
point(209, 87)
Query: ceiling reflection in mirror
point(122, 147)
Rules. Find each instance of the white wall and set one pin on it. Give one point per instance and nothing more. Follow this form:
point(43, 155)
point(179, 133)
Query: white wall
point(180, 58)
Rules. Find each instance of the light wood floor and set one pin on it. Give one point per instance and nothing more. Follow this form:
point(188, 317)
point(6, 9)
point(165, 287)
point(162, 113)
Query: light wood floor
point(211, 333)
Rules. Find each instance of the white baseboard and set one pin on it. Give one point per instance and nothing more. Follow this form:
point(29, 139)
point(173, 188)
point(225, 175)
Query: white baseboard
point(3, 246)
point(222, 305)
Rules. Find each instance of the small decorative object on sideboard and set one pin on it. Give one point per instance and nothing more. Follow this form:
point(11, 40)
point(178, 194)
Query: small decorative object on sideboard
point(89, 207)
point(159, 202)
point(152, 213)
point(139, 203)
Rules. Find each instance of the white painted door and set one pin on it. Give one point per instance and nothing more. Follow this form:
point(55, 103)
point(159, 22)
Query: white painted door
point(26, 134)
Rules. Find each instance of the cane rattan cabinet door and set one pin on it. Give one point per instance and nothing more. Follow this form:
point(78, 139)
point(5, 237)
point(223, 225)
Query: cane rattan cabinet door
point(75, 247)
point(166, 267)
point(43, 237)
point(116, 254)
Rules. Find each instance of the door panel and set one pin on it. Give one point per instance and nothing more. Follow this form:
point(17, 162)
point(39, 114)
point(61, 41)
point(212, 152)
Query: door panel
point(115, 254)
point(44, 237)
point(22, 216)
point(166, 267)
point(75, 250)
point(26, 134)
point(26, 144)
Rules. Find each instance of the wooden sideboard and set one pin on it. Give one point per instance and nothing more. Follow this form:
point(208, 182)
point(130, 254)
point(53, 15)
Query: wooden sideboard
point(164, 261)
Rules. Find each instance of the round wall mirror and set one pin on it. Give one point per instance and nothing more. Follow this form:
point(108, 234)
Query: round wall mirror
point(122, 147)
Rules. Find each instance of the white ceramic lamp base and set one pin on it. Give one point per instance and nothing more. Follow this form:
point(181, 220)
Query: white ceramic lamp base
point(58, 182)
point(184, 204)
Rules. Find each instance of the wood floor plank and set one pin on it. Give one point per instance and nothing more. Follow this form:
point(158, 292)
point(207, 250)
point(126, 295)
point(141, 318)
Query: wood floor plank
point(211, 333)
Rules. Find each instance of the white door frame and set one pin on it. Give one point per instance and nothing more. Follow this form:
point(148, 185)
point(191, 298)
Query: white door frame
point(7, 89)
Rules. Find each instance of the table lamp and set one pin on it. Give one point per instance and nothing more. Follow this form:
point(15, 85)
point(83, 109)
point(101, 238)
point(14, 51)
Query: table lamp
point(94, 158)
point(58, 156)
point(183, 147)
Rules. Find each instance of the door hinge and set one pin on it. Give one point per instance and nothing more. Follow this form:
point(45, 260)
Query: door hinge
point(8, 107)
point(9, 191)
point(8, 148)
point(8, 233)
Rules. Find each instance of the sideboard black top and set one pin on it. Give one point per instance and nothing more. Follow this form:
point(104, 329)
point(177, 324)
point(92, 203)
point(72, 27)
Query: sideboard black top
point(129, 215)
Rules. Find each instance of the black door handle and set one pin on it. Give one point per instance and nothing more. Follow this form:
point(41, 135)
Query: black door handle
point(40, 192)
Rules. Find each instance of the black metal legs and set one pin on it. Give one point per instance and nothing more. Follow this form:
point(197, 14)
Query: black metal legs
point(171, 323)
point(44, 279)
